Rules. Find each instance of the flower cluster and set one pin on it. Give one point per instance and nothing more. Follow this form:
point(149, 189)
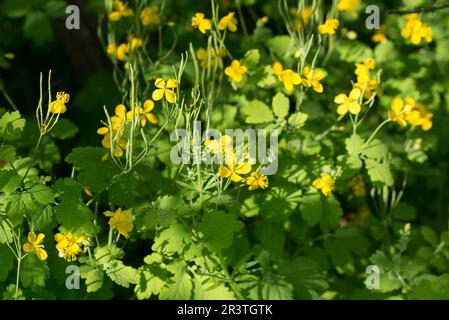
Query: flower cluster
point(58, 106)
point(228, 22)
point(149, 16)
point(365, 81)
point(69, 245)
point(416, 30)
point(329, 26)
point(124, 49)
point(120, 11)
point(408, 111)
point(312, 77)
point(325, 183)
point(120, 220)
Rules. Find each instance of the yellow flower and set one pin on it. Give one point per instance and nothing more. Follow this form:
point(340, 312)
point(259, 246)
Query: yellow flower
point(120, 221)
point(228, 21)
point(122, 51)
point(111, 49)
point(418, 116)
point(348, 6)
point(150, 15)
point(289, 78)
point(379, 36)
point(68, 245)
point(329, 26)
point(256, 181)
point(325, 183)
point(304, 17)
point(35, 244)
point(313, 78)
point(165, 88)
point(121, 10)
point(416, 30)
point(134, 42)
point(203, 24)
point(144, 113)
point(235, 71)
point(358, 186)
point(398, 111)
point(277, 68)
point(58, 106)
point(232, 170)
point(219, 146)
point(117, 122)
point(350, 103)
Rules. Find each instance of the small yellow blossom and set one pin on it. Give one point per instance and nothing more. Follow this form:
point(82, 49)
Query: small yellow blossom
point(325, 183)
point(228, 21)
point(398, 111)
point(123, 51)
point(277, 68)
point(289, 78)
point(303, 18)
point(35, 244)
point(200, 22)
point(111, 49)
point(117, 122)
point(348, 6)
point(134, 42)
point(144, 113)
point(348, 103)
point(256, 181)
point(68, 245)
point(329, 26)
point(120, 221)
point(150, 16)
point(232, 170)
point(165, 88)
point(313, 78)
point(58, 106)
point(219, 146)
point(120, 10)
point(416, 30)
point(235, 71)
point(379, 36)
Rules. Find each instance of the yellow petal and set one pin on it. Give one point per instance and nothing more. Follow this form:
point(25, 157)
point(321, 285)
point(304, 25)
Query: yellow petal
point(171, 84)
point(40, 238)
point(31, 237)
point(342, 109)
point(236, 178)
point(102, 130)
point(41, 254)
point(243, 168)
point(318, 87)
point(159, 83)
point(28, 247)
point(170, 95)
point(152, 118)
point(148, 105)
point(318, 183)
point(355, 94)
point(354, 107)
point(341, 98)
point(158, 94)
point(224, 172)
point(120, 110)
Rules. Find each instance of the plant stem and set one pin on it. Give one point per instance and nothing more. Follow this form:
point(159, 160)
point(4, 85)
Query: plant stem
point(19, 260)
point(374, 133)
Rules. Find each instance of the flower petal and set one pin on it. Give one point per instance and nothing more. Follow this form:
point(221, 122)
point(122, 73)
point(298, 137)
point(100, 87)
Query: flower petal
point(158, 94)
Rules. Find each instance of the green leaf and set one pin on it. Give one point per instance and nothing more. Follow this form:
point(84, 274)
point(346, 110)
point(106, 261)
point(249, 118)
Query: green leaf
point(9, 181)
point(172, 239)
point(305, 276)
point(404, 212)
point(11, 124)
point(121, 274)
point(19, 204)
point(56, 8)
point(33, 272)
point(375, 150)
point(7, 153)
point(219, 229)
point(16, 8)
point(251, 59)
point(37, 28)
point(274, 245)
point(379, 172)
point(281, 105)
point(180, 286)
point(95, 173)
point(208, 288)
point(6, 234)
point(354, 144)
point(429, 235)
point(257, 112)
point(7, 261)
point(340, 256)
point(40, 192)
point(43, 218)
point(298, 119)
point(316, 208)
point(93, 276)
point(283, 46)
point(151, 282)
point(353, 51)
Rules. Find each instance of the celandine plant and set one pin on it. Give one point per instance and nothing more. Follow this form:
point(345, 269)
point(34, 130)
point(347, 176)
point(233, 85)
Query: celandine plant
point(258, 150)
